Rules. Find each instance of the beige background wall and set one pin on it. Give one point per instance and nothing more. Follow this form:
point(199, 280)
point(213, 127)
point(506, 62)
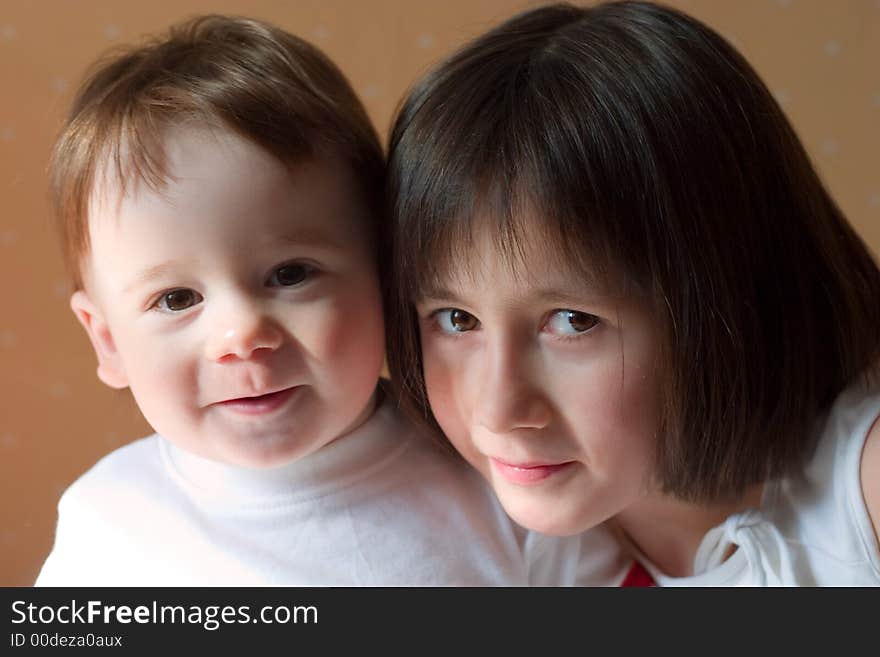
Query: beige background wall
point(820, 57)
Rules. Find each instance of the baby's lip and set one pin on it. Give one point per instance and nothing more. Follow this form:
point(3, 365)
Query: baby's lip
point(257, 397)
point(259, 404)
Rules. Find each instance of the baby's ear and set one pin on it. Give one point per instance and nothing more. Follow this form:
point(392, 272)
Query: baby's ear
point(110, 369)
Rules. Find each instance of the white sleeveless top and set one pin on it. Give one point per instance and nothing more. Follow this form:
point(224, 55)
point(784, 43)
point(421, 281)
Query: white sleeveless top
point(812, 530)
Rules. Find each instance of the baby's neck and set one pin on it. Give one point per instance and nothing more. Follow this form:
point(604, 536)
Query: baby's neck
point(668, 531)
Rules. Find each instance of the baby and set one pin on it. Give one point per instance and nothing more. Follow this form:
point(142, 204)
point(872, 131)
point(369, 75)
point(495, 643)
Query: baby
point(218, 193)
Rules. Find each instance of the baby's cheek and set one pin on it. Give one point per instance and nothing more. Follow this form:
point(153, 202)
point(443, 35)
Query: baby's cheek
point(343, 330)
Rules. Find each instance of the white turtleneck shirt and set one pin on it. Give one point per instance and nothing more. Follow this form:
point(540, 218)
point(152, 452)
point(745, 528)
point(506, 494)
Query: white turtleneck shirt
point(382, 506)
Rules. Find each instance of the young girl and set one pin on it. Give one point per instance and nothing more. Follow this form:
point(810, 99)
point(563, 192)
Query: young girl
point(622, 292)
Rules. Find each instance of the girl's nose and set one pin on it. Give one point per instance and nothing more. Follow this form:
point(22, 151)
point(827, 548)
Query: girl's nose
point(508, 395)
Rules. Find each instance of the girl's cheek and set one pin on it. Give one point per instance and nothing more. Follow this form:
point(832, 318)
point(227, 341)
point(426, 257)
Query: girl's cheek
point(446, 383)
point(439, 385)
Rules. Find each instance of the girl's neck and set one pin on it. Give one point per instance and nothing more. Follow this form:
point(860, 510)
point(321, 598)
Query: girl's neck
point(668, 531)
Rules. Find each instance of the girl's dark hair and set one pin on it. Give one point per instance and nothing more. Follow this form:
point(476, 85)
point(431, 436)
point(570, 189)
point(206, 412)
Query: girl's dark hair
point(657, 162)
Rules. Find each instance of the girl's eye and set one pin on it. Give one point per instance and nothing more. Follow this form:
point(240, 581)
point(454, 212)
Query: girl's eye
point(177, 300)
point(453, 320)
point(571, 322)
point(287, 275)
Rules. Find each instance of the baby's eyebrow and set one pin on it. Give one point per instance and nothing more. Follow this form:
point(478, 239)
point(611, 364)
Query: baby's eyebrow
point(310, 238)
point(150, 273)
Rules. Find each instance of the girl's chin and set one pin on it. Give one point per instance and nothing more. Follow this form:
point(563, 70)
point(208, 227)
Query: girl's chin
point(542, 517)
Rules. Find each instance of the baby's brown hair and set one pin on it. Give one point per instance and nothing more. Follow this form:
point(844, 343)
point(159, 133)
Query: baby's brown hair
point(220, 72)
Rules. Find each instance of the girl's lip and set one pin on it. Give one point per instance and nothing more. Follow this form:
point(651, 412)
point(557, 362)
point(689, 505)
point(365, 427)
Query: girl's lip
point(259, 405)
point(528, 473)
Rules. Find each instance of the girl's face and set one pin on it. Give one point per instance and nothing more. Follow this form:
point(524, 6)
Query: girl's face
point(544, 384)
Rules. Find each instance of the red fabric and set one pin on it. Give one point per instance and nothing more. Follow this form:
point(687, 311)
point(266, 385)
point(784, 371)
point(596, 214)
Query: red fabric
point(638, 576)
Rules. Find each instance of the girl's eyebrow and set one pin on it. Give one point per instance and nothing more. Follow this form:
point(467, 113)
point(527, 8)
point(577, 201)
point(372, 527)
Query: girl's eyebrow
point(566, 294)
point(557, 295)
point(433, 292)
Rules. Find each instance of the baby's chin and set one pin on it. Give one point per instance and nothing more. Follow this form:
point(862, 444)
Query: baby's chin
point(257, 453)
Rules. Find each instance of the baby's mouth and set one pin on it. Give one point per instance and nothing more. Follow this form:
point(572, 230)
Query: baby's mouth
point(260, 404)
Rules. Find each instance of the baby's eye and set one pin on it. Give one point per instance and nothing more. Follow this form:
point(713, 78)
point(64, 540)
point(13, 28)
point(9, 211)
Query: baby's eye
point(453, 320)
point(571, 322)
point(179, 299)
point(290, 274)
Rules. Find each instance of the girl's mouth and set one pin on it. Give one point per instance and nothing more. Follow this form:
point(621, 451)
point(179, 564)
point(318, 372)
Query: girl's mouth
point(530, 473)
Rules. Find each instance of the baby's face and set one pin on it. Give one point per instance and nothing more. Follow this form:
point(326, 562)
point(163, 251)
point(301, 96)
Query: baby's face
point(240, 304)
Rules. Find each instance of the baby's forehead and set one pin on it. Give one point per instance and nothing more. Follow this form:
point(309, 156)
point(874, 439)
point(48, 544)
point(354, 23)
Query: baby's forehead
point(128, 166)
point(224, 184)
point(133, 171)
point(110, 188)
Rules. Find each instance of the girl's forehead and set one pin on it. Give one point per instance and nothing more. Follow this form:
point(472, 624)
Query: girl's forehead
point(521, 255)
